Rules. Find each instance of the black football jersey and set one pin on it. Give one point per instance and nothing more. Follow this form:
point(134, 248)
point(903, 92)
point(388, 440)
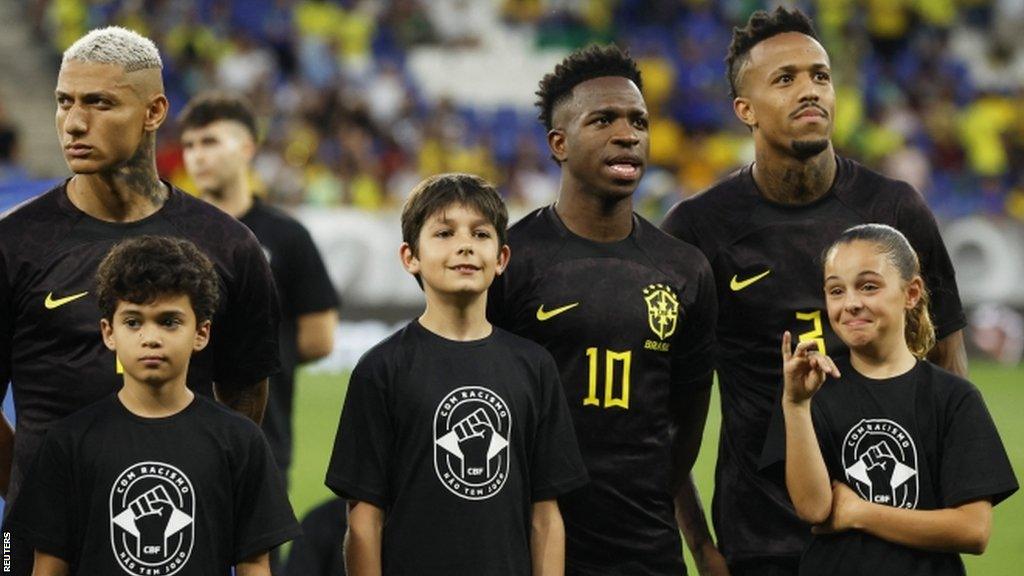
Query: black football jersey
point(766, 259)
point(303, 287)
point(192, 493)
point(923, 440)
point(630, 324)
point(50, 345)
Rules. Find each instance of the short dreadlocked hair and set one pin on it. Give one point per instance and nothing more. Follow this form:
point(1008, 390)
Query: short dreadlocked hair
point(762, 26)
point(594, 61)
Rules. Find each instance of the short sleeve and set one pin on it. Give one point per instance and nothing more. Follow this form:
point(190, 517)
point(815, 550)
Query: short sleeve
point(974, 461)
point(264, 517)
point(311, 289)
point(556, 467)
point(916, 221)
point(245, 346)
point(358, 469)
point(693, 353)
point(44, 513)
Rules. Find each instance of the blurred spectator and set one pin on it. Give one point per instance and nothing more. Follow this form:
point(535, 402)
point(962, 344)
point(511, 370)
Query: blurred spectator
point(10, 169)
point(998, 331)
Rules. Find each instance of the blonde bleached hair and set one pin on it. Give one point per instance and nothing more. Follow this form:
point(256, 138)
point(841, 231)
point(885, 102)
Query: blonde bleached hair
point(115, 45)
point(919, 330)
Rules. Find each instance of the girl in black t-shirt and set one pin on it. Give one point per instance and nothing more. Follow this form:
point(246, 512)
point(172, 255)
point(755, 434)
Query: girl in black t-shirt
point(898, 464)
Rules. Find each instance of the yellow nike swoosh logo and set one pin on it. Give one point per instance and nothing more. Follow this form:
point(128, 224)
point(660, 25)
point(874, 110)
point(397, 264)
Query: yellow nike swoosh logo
point(50, 303)
point(738, 285)
point(543, 315)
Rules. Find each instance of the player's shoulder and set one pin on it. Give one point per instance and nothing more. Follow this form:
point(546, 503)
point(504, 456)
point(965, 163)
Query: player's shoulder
point(34, 215)
point(283, 222)
point(861, 186)
point(204, 223)
point(665, 247)
point(535, 228)
point(719, 210)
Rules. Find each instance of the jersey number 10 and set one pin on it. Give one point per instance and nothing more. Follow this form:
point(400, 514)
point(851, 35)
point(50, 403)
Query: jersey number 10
point(614, 363)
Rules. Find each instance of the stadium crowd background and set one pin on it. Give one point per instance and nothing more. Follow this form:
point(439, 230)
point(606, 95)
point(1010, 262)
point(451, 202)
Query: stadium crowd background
point(928, 90)
point(360, 99)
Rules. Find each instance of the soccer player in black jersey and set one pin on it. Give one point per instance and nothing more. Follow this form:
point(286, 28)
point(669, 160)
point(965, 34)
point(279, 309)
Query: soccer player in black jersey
point(628, 313)
point(219, 141)
point(763, 229)
point(110, 103)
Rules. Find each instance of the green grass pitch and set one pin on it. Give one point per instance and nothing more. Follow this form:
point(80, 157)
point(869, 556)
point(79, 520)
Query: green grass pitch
point(318, 406)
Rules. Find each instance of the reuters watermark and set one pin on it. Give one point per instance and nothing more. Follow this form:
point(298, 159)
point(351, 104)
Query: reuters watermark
point(7, 553)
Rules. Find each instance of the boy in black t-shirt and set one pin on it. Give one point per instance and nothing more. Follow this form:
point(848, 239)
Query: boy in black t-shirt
point(455, 438)
point(156, 479)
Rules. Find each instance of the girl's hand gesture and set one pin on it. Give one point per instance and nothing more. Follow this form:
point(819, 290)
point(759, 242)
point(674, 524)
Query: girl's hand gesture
point(804, 370)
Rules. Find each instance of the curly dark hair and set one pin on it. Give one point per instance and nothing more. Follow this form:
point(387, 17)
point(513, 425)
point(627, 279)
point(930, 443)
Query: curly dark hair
point(761, 26)
point(594, 61)
point(211, 106)
point(140, 270)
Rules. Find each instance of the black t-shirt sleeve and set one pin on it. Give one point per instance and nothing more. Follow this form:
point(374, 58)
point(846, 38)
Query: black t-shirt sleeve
point(245, 347)
point(974, 461)
point(45, 512)
point(693, 355)
point(556, 466)
point(263, 514)
point(311, 289)
point(359, 469)
point(916, 221)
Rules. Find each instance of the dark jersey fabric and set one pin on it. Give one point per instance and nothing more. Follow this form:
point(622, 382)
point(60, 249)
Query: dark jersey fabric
point(639, 331)
point(923, 440)
point(455, 441)
point(318, 551)
point(52, 352)
point(743, 236)
point(114, 493)
point(303, 287)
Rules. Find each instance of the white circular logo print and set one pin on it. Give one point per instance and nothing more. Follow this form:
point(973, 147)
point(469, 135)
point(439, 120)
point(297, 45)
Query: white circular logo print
point(472, 427)
point(152, 507)
point(880, 459)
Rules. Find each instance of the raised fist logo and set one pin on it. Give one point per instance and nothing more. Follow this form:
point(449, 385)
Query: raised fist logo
point(880, 460)
point(474, 441)
point(472, 429)
point(151, 519)
point(152, 505)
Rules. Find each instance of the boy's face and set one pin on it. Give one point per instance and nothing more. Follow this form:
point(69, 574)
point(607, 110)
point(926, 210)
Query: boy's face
point(155, 341)
point(457, 252)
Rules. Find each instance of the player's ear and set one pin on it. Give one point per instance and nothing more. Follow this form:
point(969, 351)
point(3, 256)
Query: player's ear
point(107, 330)
point(503, 257)
point(156, 112)
point(744, 111)
point(409, 260)
point(556, 143)
point(202, 335)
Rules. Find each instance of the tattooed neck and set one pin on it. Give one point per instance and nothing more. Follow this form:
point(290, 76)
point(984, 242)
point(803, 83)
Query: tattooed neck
point(795, 182)
point(138, 176)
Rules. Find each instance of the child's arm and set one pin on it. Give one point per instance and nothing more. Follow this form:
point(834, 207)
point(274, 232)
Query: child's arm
point(46, 565)
point(258, 565)
point(547, 539)
point(363, 539)
point(963, 529)
point(807, 479)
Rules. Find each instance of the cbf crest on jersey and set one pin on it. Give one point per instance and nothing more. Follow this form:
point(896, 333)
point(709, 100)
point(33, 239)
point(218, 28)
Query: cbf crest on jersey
point(880, 459)
point(472, 427)
point(662, 314)
point(152, 507)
